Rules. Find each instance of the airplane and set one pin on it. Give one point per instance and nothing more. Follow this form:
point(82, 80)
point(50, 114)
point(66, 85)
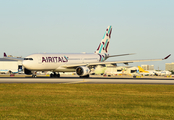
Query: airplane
point(81, 63)
point(153, 72)
point(13, 58)
point(146, 72)
point(164, 73)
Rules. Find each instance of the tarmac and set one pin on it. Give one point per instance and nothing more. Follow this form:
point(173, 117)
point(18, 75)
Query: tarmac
point(94, 79)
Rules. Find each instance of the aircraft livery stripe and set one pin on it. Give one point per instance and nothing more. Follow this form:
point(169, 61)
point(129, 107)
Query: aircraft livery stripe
point(102, 59)
point(109, 29)
point(104, 35)
point(101, 48)
point(106, 43)
point(66, 57)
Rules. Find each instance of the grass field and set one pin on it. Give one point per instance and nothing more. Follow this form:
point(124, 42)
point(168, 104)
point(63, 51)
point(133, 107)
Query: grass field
point(86, 101)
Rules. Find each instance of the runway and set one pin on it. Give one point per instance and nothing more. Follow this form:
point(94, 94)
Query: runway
point(92, 80)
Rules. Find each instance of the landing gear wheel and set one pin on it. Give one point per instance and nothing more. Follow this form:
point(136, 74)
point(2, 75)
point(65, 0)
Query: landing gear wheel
point(86, 76)
point(51, 75)
point(34, 73)
point(34, 76)
point(54, 75)
point(58, 75)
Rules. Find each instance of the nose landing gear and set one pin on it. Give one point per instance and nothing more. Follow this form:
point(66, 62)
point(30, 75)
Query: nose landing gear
point(34, 74)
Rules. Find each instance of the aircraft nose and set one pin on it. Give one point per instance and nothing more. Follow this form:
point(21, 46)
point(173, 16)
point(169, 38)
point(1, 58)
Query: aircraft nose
point(27, 64)
point(24, 63)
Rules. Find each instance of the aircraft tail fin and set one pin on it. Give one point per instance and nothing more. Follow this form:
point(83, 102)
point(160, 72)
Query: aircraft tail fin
point(142, 70)
point(5, 55)
point(104, 44)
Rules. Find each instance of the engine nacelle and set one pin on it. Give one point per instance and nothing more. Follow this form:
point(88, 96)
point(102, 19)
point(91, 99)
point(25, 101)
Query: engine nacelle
point(28, 72)
point(82, 71)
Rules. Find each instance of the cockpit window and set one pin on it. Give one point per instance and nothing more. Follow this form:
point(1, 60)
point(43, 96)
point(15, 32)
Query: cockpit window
point(28, 58)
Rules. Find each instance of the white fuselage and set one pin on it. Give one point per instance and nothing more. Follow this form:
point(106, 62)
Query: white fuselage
point(54, 62)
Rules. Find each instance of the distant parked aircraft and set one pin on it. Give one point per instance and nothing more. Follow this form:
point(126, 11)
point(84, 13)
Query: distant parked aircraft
point(153, 72)
point(146, 72)
point(164, 73)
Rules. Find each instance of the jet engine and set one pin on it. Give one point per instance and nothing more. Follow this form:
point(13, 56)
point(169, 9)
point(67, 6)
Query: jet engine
point(83, 71)
point(28, 72)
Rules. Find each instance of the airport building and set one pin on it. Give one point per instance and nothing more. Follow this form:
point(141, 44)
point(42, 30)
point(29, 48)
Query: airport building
point(7, 66)
point(169, 66)
point(148, 67)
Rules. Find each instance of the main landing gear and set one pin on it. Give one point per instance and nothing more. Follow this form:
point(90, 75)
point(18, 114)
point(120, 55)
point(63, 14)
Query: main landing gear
point(54, 75)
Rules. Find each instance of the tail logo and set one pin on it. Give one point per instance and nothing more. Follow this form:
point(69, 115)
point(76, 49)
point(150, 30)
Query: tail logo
point(104, 44)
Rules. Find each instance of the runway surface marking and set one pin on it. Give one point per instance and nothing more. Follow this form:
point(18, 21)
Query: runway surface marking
point(77, 82)
point(86, 81)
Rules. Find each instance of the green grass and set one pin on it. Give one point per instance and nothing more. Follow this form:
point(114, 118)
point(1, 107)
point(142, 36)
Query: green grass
point(86, 101)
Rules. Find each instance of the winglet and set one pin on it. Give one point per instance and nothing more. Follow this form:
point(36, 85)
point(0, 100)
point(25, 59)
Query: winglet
point(166, 57)
point(5, 55)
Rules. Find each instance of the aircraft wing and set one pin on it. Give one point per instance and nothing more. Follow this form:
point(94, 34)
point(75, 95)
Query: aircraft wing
point(120, 55)
point(111, 62)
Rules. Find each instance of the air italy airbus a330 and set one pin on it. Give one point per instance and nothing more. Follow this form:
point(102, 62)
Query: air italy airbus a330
point(80, 63)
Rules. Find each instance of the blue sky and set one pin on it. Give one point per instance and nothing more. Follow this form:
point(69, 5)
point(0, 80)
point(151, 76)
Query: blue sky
point(142, 27)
